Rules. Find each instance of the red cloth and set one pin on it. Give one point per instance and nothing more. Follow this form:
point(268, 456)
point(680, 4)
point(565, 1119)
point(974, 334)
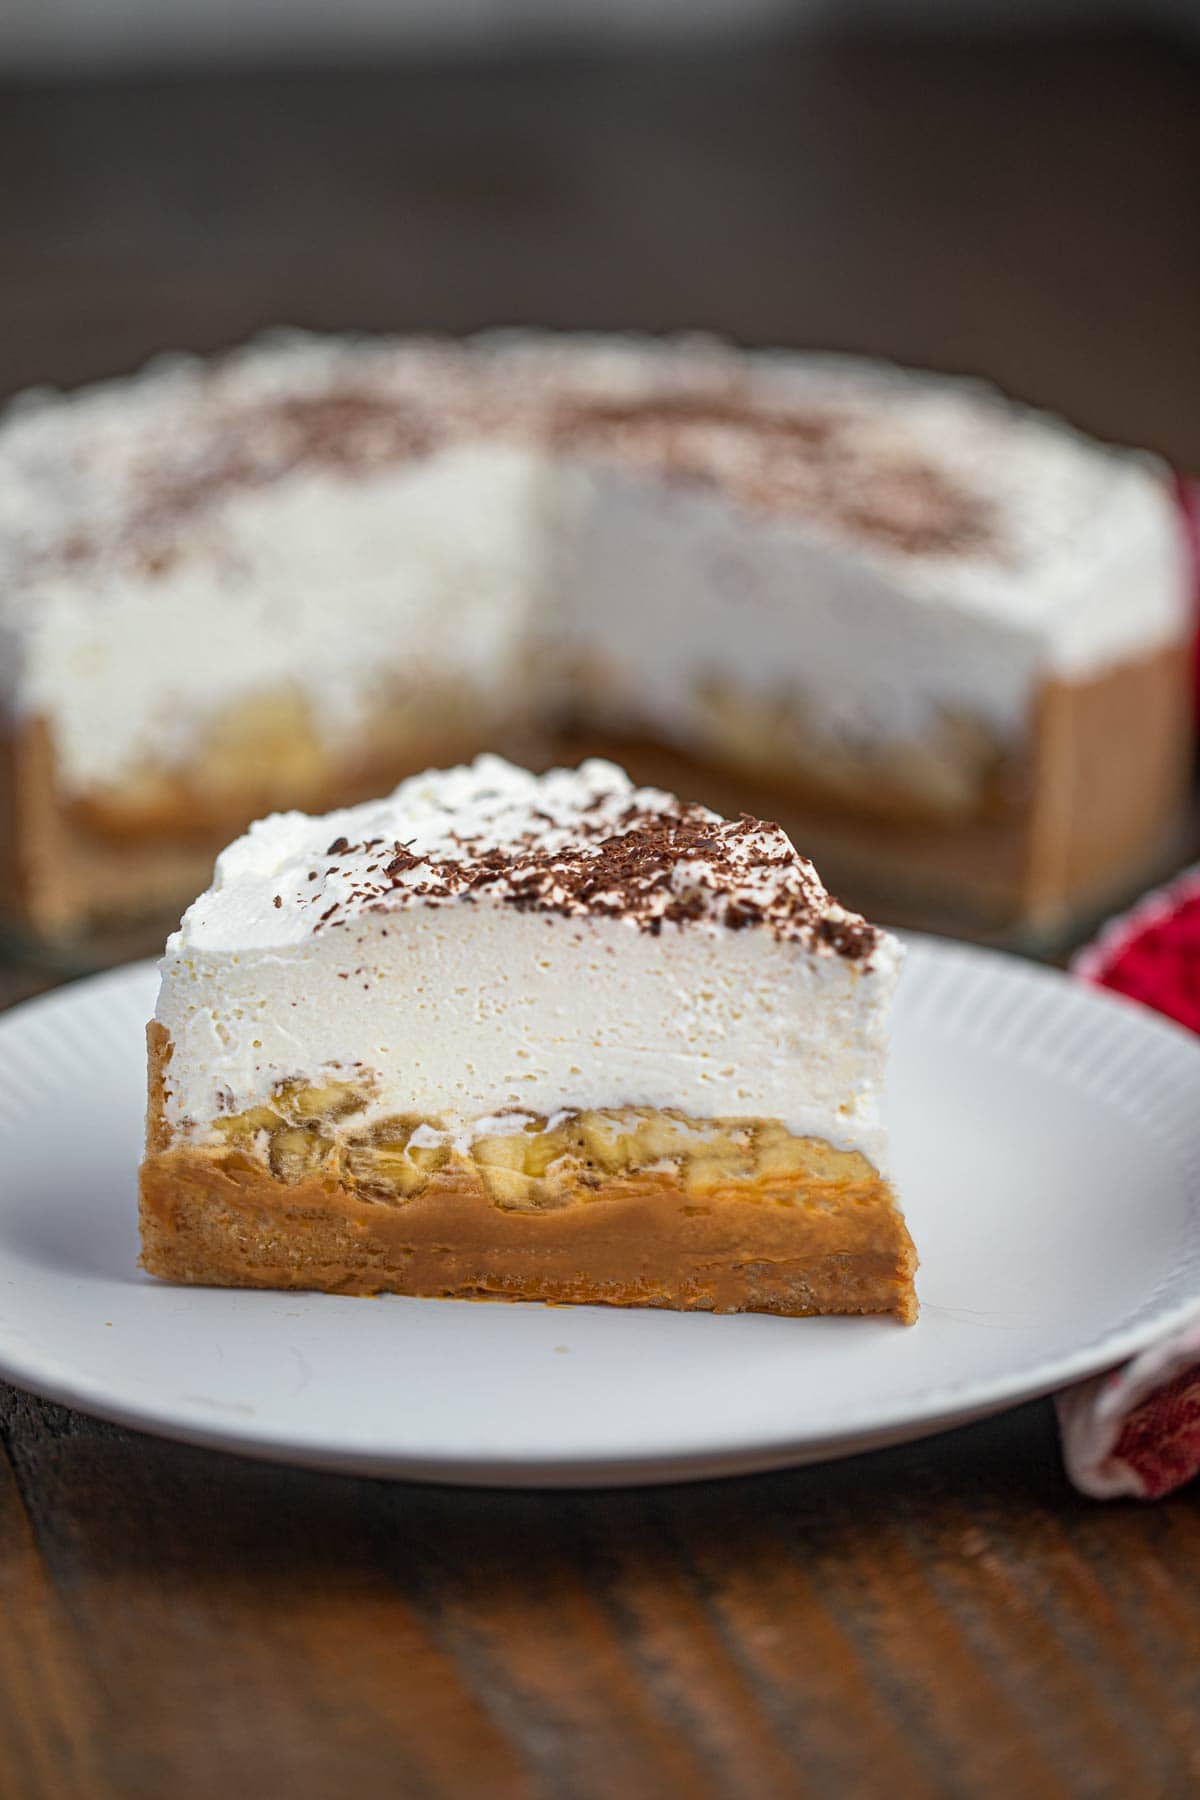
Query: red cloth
point(1136, 1430)
point(1153, 953)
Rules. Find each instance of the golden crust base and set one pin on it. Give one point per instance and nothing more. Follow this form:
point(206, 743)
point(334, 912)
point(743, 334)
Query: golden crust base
point(218, 1219)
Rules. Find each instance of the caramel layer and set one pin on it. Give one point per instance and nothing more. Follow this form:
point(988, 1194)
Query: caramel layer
point(220, 1219)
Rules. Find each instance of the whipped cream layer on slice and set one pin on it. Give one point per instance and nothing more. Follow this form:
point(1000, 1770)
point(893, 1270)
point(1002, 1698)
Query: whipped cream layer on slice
point(486, 947)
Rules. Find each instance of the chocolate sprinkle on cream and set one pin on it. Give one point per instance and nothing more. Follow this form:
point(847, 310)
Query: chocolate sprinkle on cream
point(810, 463)
point(207, 432)
point(574, 844)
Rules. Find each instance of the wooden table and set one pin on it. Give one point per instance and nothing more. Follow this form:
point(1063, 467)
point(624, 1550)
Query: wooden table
point(947, 1619)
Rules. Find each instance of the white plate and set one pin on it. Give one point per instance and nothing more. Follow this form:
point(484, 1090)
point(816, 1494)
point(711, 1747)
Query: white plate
point(1047, 1144)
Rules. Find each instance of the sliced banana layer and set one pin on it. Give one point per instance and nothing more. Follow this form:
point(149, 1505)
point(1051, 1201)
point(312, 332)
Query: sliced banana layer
point(317, 1131)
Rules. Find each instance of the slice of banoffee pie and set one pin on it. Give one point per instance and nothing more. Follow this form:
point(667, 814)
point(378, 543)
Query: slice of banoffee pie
point(529, 1038)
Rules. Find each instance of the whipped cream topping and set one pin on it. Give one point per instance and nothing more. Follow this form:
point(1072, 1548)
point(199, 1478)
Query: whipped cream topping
point(111, 471)
point(319, 517)
point(344, 517)
point(578, 842)
point(352, 593)
point(516, 962)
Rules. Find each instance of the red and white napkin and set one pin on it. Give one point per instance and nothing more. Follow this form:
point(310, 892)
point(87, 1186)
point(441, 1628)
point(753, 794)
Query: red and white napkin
point(1136, 1430)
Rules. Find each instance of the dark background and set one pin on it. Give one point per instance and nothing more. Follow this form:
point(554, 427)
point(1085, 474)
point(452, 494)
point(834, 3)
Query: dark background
point(1025, 208)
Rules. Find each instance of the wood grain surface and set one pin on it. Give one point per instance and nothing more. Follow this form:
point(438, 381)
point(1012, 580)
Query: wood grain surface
point(947, 1619)
point(943, 1619)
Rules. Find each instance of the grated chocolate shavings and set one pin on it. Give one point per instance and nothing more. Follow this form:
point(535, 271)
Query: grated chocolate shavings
point(652, 864)
point(819, 464)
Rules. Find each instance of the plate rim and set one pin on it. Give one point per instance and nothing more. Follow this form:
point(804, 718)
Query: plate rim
point(943, 1408)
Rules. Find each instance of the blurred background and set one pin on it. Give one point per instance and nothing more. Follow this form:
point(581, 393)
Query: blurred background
point(1005, 188)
